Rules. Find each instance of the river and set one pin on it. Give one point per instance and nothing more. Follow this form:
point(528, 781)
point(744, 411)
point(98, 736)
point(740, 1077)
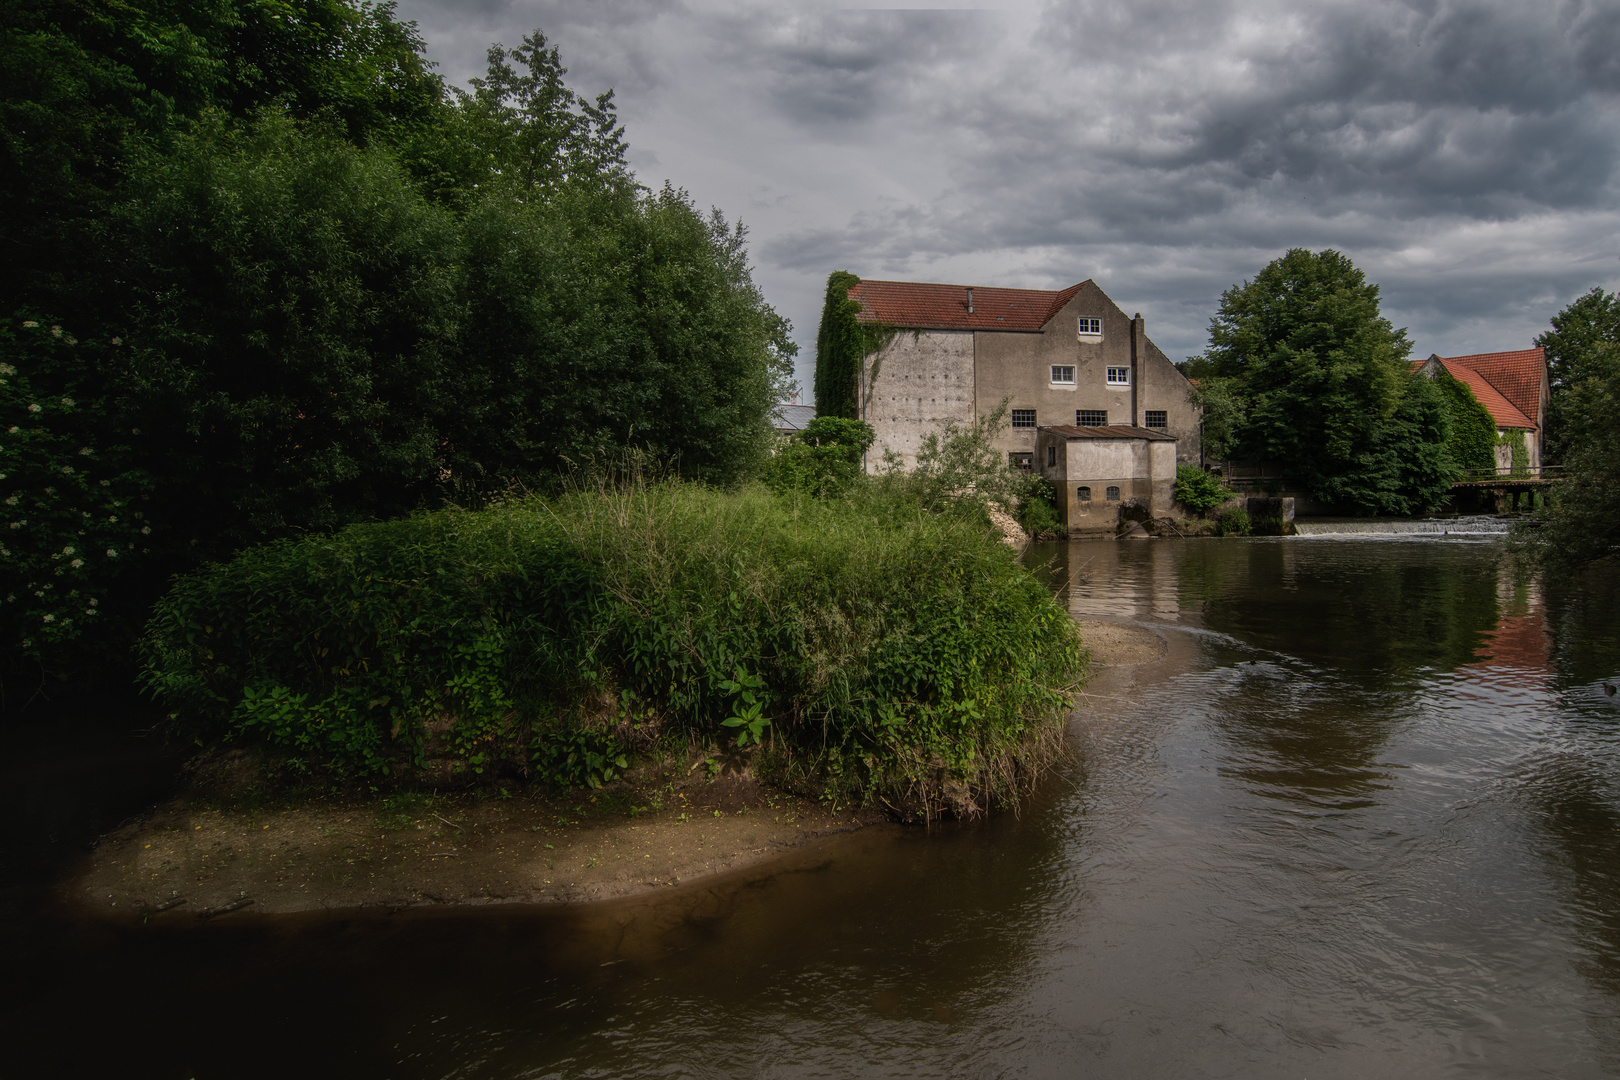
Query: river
point(1362, 819)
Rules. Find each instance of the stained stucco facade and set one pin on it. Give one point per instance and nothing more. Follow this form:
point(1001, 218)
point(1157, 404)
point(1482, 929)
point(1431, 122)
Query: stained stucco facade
point(961, 351)
point(1096, 471)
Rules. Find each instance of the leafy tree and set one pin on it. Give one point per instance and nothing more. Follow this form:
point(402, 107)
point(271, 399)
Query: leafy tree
point(1577, 349)
point(83, 87)
point(600, 319)
point(1582, 523)
point(1319, 381)
point(292, 298)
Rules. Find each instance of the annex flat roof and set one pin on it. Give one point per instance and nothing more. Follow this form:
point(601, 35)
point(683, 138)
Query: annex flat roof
point(1111, 431)
point(921, 305)
point(792, 417)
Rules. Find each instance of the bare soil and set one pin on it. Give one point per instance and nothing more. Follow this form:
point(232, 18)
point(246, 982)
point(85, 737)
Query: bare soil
point(1120, 643)
point(196, 857)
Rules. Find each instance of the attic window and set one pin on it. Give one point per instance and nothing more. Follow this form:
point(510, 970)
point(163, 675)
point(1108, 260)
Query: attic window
point(1119, 376)
point(1091, 418)
point(1063, 374)
point(1091, 325)
point(1155, 418)
point(1023, 418)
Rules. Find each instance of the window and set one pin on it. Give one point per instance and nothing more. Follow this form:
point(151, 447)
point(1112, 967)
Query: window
point(1051, 457)
point(1119, 376)
point(1023, 418)
point(1022, 462)
point(1063, 373)
point(1112, 494)
point(1091, 417)
point(1083, 494)
point(1090, 324)
point(1155, 418)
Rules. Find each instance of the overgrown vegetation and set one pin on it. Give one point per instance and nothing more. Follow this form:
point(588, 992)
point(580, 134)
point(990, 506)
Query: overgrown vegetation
point(297, 283)
point(823, 460)
point(860, 648)
point(1471, 431)
point(843, 343)
point(1199, 491)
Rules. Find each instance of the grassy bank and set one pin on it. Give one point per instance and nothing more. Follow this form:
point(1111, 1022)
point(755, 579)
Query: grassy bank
point(859, 649)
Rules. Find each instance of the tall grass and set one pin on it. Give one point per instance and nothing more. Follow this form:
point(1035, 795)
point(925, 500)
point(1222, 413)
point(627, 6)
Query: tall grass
point(884, 653)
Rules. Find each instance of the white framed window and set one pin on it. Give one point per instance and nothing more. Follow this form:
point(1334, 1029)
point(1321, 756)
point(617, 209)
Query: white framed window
point(1063, 374)
point(1091, 418)
point(1090, 326)
point(1023, 418)
point(1119, 376)
point(1156, 418)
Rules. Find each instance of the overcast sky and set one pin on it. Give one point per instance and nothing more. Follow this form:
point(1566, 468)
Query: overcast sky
point(1464, 154)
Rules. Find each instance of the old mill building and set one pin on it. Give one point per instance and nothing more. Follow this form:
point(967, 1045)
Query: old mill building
point(1095, 407)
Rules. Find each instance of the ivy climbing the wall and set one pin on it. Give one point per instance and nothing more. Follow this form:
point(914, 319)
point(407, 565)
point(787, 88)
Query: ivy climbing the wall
point(1472, 439)
point(842, 345)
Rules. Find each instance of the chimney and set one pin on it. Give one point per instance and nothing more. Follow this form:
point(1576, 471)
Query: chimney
point(970, 301)
point(1138, 349)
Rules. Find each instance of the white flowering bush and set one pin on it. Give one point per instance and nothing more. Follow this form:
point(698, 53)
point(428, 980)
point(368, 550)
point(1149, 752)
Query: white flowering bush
point(70, 503)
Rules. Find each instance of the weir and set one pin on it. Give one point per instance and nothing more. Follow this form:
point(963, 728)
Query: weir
point(1478, 525)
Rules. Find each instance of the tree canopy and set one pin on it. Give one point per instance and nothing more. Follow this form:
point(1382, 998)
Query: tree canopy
point(295, 282)
point(1578, 348)
point(1312, 375)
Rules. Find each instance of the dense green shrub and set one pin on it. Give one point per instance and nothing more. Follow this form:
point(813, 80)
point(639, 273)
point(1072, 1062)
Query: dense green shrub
point(1036, 500)
point(1234, 522)
point(883, 653)
point(822, 460)
point(1199, 491)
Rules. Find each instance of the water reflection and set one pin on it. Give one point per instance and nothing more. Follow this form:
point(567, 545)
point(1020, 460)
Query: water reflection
point(1363, 819)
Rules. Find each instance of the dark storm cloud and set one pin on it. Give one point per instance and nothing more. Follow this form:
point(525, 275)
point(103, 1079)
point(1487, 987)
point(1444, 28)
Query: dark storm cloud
point(1464, 153)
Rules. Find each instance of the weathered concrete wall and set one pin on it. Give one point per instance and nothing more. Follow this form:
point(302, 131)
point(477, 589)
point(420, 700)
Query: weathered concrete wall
point(1018, 367)
point(913, 386)
point(1141, 470)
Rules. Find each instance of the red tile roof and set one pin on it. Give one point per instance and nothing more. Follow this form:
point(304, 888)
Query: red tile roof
point(925, 306)
point(1112, 431)
point(1517, 375)
point(1503, 411)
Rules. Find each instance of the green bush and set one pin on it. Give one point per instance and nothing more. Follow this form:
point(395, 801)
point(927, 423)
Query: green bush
point(1037, 511)
point(822, 460)
point(880, 652)
point(1234, 522)
point(1198, 490)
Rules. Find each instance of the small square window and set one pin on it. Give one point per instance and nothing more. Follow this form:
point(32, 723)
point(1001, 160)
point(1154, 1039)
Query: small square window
point(1083, 494)
point(1112, 494)
point(1091, 324)
point(1051, 457)
point(1022, 462)
point(1063, 373)
point(1119, 376)
point(1155, 418)
point(1091, 417)
point(1023, 418)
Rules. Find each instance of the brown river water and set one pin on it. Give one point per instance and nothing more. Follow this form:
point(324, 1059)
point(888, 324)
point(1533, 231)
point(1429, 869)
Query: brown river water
point(1363, 819)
